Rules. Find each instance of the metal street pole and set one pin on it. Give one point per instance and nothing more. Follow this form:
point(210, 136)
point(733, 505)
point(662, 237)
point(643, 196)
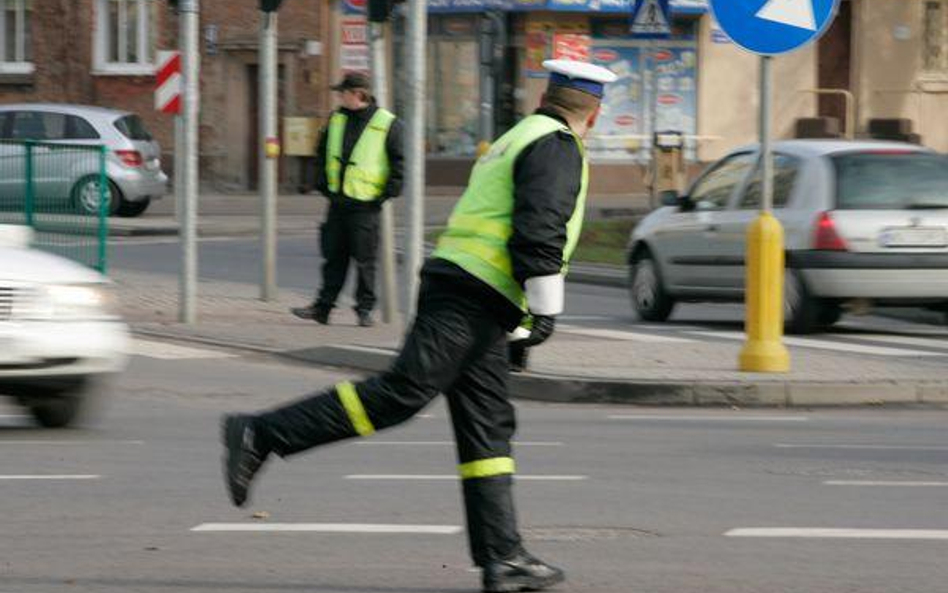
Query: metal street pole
point(486, 112)
point(415, 145)
point(190, 64)
point(380, 86)
point(269, 153)
point(764, 351)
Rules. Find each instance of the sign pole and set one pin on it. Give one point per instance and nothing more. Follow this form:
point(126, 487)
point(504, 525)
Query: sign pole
point(190, 66)
point(764, 351)
point(417, 20)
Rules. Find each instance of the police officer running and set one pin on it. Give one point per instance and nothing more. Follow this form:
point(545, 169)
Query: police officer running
point(359, 165)
point(501, 260)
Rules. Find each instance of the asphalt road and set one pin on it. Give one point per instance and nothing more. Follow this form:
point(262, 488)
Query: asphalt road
point(626, 499)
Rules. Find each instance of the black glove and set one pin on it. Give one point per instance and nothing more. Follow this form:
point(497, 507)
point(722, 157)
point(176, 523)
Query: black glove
point(540, 331)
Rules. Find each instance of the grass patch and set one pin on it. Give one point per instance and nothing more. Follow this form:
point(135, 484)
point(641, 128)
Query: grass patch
point(601, 242)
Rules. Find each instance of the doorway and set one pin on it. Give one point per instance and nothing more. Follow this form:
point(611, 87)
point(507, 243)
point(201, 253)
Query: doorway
point(835, 63)
point(253, 140)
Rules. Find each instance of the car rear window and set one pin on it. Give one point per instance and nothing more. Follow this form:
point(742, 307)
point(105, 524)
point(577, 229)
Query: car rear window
point(133, 128)
point(891, 180)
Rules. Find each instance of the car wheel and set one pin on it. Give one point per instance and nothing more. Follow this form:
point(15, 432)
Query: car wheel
point(56, 410)
point(129, 209)
point(85, 196)
point(802, 313)
point(649, 298)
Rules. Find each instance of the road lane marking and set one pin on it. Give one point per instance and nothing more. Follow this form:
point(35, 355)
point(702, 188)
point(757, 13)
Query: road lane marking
point(167, 351)
point(539, 478)
point(69, 443)
point(857, 447)
point(51, 477)
point(329, 528)
point(883, 483)
point(451, 443)
point(899, 339)
point(700, 418)
point(822, 532)
point(613, 334)
point(827, 345)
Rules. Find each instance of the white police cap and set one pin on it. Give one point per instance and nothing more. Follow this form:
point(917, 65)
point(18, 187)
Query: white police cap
point(582, 76)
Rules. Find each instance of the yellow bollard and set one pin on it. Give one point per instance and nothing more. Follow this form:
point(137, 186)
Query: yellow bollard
point(763, 351)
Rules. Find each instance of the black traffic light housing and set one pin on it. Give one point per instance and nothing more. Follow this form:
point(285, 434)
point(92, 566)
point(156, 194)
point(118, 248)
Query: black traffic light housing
point(381, 10)
point(270, 5)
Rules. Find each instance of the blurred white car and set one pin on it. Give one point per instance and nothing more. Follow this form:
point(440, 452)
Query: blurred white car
point(864, 221)
point(57, 334)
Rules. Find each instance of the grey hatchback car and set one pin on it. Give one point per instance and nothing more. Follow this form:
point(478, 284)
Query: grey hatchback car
point(865, 222)
point(133, 162)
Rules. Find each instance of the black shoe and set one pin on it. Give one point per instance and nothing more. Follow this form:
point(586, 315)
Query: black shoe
point(243, 456)
point(316, 313)
point(520, 572)
point(365, 319)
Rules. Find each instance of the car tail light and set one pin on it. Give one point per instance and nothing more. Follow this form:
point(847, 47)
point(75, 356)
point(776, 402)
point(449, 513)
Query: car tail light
point(130, 158)
point(827, 238)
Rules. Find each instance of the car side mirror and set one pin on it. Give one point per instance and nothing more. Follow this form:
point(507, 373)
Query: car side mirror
point(685, 203)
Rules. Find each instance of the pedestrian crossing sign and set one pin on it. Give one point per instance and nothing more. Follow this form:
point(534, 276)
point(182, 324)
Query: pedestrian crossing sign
point(651, 19)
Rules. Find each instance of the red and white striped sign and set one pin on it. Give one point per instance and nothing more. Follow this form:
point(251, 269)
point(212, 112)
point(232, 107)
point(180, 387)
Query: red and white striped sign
point(168, 88)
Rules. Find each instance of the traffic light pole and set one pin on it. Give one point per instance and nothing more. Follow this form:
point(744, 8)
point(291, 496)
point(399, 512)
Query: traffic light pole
point(380, 87)
point(417, 30)
point(269, 154)
point(190, 61)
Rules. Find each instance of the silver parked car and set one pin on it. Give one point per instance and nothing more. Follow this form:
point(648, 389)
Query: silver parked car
point(864, 221)
point(70, 175)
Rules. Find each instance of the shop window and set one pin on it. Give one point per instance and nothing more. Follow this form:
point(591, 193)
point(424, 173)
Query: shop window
point(453, 86)
point(15, 37)
point(935, 36)
point(125, 36)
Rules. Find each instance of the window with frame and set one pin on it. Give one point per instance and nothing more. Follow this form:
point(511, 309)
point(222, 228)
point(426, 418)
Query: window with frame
point(125, 36)
point(935, 36)
point(16, 53)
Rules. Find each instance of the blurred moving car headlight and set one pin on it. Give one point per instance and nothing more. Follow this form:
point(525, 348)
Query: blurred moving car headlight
point(79, 302)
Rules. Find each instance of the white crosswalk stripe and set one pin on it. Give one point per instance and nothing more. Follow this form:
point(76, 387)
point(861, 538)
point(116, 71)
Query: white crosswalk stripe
point(830, 344)
point(168, 351)
point(628, 336)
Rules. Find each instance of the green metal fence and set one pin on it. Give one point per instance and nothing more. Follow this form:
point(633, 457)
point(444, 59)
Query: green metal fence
point(62, 192)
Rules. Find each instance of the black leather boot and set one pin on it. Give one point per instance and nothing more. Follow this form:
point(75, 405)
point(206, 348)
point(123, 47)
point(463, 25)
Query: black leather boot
point(520, 572)
point(244, 454)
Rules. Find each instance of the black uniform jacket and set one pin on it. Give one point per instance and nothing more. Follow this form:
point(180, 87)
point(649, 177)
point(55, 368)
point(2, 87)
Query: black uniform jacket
point(547, 178)
point(355, 124)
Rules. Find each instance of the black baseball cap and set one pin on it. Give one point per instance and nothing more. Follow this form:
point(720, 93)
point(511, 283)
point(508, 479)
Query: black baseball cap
point(353, 80)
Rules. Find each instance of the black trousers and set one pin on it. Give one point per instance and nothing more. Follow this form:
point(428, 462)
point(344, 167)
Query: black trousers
point(345, 235)
point(455, 347)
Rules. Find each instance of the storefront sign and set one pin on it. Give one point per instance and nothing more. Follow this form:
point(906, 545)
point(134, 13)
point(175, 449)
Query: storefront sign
point(354, 6)
point(354, 45)
point(599, 6)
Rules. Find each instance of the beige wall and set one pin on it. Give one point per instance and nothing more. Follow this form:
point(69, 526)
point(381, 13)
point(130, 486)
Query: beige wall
point(729, 98)
point(888, 77)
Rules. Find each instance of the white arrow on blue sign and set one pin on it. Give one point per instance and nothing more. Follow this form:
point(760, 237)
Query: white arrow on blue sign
point(772, 27)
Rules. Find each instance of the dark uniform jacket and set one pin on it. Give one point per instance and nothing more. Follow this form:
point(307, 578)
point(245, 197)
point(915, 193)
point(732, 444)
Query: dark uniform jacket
point(355, 124)
point(547, 178)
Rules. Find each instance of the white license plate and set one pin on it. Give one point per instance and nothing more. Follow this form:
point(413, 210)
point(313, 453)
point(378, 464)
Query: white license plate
point(914, 237)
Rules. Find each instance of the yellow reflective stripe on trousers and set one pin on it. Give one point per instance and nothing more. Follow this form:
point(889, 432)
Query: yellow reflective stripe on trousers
point(486, 468)
point(353, 405)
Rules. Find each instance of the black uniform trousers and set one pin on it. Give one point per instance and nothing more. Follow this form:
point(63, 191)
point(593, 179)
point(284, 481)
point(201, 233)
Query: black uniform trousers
point(349, 234)
point(456, 347)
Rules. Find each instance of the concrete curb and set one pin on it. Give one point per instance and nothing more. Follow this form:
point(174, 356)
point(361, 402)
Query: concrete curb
point(575, 389)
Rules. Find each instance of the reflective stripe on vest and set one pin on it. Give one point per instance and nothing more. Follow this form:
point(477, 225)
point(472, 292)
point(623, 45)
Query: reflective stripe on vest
point(367, 170)
point(354, 409)
point(478, 230)
point(486, 468)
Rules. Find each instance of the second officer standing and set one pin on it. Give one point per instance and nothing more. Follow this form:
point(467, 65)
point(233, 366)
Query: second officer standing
point(359, 165)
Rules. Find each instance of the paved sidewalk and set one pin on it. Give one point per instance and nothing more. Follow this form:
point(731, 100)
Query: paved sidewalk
point(572, 367)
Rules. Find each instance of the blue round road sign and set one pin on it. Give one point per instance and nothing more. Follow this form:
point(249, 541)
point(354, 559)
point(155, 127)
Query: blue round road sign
point(772, 27)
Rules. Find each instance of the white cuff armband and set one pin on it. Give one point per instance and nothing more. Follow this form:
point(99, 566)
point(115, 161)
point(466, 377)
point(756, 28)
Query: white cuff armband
point(545, 294)
point(521, 333)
